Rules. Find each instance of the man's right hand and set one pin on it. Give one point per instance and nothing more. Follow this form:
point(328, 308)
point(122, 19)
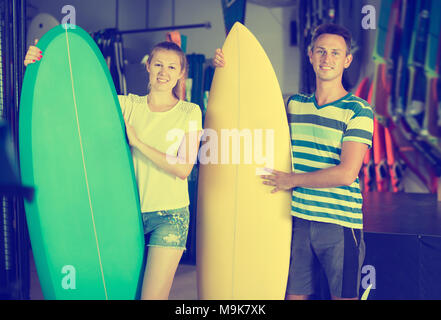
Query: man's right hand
point(33, 54)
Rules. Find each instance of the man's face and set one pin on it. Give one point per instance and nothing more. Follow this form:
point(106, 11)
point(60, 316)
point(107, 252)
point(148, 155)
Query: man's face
point(328, 57)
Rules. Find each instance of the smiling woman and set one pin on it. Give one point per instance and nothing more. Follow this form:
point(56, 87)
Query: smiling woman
point(161, 166)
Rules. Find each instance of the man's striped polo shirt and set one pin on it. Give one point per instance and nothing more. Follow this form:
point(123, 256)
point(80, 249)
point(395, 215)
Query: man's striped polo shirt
point(317, 134)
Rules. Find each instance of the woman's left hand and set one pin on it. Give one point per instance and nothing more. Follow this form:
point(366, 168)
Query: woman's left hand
point(131, 135)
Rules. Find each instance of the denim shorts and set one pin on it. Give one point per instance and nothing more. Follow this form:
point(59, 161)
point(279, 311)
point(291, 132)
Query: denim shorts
point(166, 228)
point(338, 251)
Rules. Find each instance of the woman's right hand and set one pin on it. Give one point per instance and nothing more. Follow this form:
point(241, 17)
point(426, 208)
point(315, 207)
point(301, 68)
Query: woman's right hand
point(33, 54)
point(219, 60)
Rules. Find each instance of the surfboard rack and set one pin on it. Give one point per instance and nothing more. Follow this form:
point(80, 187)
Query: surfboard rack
point(206, 25)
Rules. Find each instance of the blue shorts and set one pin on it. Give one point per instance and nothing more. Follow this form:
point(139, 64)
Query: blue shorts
point(166, 228)
point(337, 250)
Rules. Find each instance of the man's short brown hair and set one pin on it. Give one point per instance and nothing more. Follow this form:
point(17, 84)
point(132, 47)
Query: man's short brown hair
point(332, 28)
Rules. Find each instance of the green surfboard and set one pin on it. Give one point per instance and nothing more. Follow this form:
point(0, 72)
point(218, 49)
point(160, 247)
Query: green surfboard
point(84, 223)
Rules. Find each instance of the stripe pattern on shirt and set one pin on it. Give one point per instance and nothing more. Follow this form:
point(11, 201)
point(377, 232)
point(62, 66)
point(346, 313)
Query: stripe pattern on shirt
point(317, 134)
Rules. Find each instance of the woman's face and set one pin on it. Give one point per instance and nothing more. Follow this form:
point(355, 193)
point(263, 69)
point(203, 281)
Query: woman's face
point(164, 70)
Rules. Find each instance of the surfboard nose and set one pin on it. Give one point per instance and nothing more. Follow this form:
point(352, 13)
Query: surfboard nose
point(240, 28)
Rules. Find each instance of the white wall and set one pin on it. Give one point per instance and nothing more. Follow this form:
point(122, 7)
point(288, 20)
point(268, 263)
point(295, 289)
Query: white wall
point(270, 26)
point(90, 15)
point(94, 15)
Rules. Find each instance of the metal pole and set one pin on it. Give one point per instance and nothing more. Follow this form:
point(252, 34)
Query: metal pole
point(7, 253)
point(13, 123)
point(21, 239)
point(206, 25)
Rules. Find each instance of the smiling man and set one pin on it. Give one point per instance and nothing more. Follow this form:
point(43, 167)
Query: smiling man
point(330, 133)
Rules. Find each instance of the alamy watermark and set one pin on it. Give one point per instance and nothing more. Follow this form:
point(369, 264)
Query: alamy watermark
point(369, 20)
point(225, 146)
point(369, 277)
point(69, 20)
point(68, 282)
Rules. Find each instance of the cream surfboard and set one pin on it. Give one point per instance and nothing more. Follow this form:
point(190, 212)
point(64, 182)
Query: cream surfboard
point(243, 230)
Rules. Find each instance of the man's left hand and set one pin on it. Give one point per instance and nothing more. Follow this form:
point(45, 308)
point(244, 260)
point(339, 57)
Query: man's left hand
point(280, 180)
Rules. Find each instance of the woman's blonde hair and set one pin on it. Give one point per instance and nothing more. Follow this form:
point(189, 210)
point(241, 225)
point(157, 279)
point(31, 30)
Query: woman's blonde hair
point(178, 90)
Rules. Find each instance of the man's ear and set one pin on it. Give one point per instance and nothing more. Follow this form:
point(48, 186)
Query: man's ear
point(310, 54)
point(348, 61)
